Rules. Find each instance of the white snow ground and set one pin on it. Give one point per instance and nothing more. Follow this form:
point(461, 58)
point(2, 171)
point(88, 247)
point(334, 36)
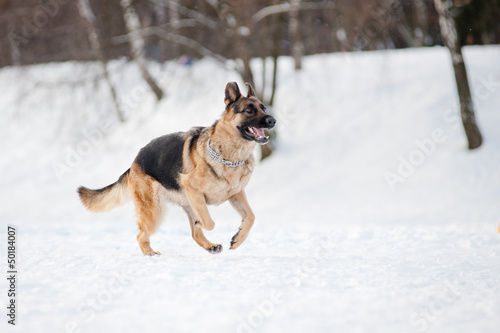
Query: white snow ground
point(335, 247)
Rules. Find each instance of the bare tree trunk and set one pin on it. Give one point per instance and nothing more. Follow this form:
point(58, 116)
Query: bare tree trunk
point(275, 75)
point(422, 22)
point(276, 25)
point(297, 45)
point(86, 12)
point(247, 73)
point(267, 150)
point(137, 45)
point(242, 43)
point(161, 14)
point(174, 23)
point(15, 53)
point(264, 71)
point(450, 38)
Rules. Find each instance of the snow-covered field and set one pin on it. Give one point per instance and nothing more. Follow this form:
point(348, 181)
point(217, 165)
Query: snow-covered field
point(372, 216)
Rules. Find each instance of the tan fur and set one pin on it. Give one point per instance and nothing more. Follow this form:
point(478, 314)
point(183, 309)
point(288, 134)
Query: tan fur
point(200, 188)
point(145, 194)
point(197, 232)
point(102, 201)
point(240, 203)
point(204, 188)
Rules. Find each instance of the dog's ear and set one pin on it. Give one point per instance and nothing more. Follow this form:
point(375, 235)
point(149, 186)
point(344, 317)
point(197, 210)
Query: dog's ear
point(251, 92)
point(232, 93)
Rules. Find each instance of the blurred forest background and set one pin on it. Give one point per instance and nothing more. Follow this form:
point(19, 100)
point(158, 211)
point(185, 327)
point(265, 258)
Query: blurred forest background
point(39, 31)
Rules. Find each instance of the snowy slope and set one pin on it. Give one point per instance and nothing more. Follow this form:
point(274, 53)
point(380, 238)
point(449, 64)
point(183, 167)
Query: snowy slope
point(371, 215)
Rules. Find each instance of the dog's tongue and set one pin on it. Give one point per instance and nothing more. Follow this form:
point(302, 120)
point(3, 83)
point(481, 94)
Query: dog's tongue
point(259, 132)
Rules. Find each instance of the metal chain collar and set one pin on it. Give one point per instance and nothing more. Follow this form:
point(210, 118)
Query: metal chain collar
point(218, 157)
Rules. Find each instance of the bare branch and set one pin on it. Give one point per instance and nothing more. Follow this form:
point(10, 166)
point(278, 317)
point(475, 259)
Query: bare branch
point(199, 17)
point(179, 39)
point(286, 7)
point(93, 34)
point(137, 45)
point(172, 37)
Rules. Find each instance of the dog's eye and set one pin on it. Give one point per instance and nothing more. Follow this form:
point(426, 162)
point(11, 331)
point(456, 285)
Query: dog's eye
point(249, 110)
point(263, 108)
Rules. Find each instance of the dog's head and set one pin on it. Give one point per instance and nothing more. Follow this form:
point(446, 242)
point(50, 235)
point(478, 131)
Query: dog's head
point(247, 114)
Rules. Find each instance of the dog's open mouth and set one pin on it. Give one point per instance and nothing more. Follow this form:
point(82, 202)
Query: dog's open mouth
point(257, 134)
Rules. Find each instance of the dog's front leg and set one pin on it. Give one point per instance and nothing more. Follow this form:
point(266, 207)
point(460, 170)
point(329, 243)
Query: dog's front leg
point(198, 235)
point(199, 206)
point(240, 203)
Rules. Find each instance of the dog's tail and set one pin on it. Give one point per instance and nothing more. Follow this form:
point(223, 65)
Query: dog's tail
point(106, 198)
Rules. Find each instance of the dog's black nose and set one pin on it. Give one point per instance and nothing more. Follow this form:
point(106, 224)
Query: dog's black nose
point(269, 121)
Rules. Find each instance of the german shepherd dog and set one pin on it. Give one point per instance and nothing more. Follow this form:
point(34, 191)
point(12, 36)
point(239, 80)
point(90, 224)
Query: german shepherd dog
point(204, 166)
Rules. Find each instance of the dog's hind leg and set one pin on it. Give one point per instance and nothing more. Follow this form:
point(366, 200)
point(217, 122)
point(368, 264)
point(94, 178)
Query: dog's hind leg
point(198, 235)
point(144, 191)
point(240, 203)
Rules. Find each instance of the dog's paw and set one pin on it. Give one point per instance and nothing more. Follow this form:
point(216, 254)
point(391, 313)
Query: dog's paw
point(215, 249)
point(152, 253)
point(235, 241)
